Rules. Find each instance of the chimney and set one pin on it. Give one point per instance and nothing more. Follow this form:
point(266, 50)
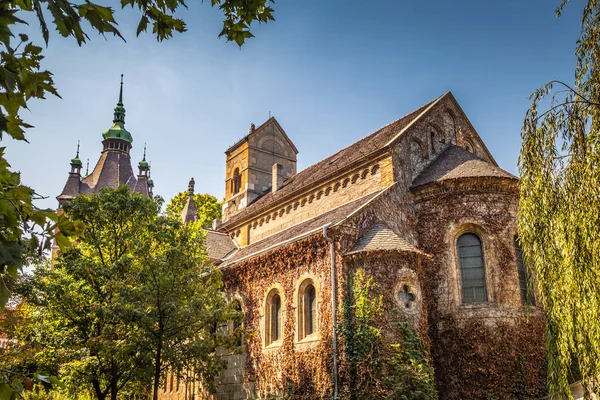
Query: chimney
point(276, 177)
point(216, 224)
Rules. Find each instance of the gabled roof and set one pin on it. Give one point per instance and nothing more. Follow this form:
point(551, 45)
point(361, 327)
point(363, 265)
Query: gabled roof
point(301, 230)
point(455, 163)
point(218, 245)
point(271, 120)
point(331, 165)
point(381, 237)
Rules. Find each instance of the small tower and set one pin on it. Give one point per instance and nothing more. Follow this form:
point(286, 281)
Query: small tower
point(150, 184)
point(190, 212)
point(141, 185)
point(76, 163)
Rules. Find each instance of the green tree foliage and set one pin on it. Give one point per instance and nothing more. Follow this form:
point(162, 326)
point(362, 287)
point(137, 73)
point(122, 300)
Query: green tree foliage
point(182, 301)
point(134, 298)
point(209, 208)
point(395, 367)
point(559, 211)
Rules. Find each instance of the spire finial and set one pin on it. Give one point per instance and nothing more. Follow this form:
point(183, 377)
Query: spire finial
point(87, 167)
point(144, 159)
point(121, 92)
point(77, 156)
point(191, 187)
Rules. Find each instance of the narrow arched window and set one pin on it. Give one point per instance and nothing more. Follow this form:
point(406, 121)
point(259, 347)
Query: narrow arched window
point(237, 323)
point(307, 310)
point(236, 183)
point(432, 142)
point(472, 269)
point(524, 279)
point(273, 318)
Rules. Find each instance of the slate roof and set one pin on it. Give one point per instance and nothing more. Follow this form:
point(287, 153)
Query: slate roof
point(381, 237)
point(112, 170)
point(455, 163)
point(301, 230)
point(219, 245)
point(330, 165)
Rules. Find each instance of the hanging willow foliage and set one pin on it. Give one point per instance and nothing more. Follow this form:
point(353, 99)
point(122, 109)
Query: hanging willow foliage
point(559, 211)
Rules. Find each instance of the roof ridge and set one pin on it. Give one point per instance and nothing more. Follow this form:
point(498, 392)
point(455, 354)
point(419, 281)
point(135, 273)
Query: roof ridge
point(370, 134)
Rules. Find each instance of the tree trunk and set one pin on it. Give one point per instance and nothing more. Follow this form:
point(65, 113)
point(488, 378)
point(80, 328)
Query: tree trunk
point(114, 381)
point(157, 366)
point(97, 390)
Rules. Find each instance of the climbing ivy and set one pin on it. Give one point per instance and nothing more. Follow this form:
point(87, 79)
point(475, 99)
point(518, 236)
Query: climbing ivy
point(382, 365)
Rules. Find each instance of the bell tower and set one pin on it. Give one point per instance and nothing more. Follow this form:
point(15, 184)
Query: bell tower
point(250, 164)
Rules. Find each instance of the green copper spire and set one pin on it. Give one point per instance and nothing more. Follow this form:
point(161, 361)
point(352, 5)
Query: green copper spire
point(117, 130)
point(76, 161)
point(143, 164)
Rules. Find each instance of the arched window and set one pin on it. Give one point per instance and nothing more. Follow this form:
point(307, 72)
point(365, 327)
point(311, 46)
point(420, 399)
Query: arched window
point(472, 269)
point(237, 323)
point(236, 182)
point(524, 279)
point(307, 310)
point(273, 318)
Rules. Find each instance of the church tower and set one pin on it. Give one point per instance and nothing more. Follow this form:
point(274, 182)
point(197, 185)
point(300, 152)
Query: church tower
point(114, 165)
point(259, 163)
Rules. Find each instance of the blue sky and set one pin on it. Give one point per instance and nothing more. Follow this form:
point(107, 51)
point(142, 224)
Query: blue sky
point(331, 72)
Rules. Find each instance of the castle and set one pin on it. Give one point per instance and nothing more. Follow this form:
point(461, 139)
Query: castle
point(419, 205)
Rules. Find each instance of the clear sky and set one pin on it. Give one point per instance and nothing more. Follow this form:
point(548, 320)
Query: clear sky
point(331, 72)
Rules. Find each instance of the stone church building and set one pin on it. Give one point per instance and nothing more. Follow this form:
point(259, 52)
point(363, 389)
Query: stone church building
point(419, 205)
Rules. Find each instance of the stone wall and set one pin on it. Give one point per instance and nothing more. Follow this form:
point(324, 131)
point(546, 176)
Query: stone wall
point(357, 183)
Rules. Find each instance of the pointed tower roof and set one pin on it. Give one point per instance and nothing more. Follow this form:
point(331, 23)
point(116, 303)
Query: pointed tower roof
point(76, 162)
point(190, 212)
point(117, 130)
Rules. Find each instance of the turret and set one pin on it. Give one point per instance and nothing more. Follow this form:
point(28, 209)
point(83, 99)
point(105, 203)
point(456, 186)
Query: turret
point(190, 212)
point(76, 163)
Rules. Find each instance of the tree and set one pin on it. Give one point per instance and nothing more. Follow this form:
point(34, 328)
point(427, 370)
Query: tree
point(181, 296)
point(209, 208)
point(559, 214)
point(133, 298)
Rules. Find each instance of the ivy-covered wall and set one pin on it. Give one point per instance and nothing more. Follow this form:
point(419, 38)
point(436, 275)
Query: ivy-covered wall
point(491, 350)
point(300, 370)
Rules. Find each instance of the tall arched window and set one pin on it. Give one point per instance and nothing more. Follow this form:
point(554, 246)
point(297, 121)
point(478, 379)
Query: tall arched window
point(273, 318)
point(236, 182)
point(307, 309)
point(524, 280)
point(472, 269)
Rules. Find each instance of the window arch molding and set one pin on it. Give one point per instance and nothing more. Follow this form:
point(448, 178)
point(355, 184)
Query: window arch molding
point(307, 310)
point(273, 331)
point(488, 259)
point(236, 180)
